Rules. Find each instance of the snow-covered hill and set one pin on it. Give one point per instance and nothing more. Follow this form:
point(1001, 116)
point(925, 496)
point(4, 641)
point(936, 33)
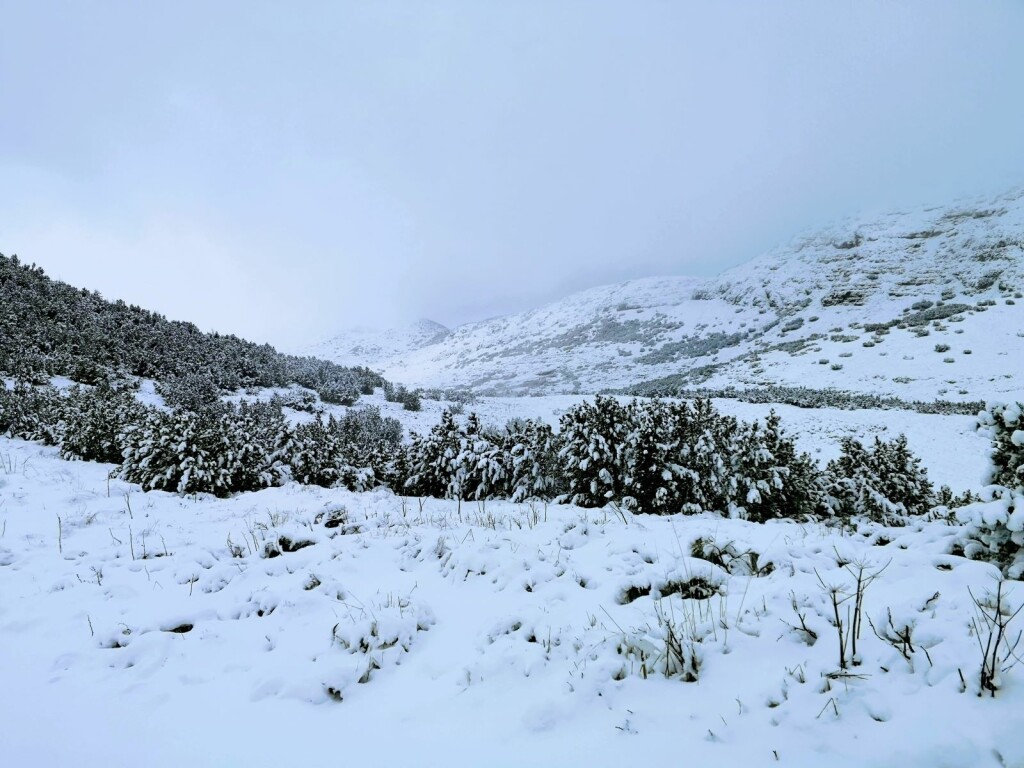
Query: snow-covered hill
point(368, 346)
point(921, 304)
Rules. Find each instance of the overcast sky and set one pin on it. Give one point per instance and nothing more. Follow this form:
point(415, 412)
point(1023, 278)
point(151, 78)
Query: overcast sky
point(284, 170)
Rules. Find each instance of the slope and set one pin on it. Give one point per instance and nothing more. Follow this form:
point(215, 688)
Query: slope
point(921, 304)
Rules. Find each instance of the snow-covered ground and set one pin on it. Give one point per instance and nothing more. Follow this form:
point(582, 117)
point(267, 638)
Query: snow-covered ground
point(302, 626)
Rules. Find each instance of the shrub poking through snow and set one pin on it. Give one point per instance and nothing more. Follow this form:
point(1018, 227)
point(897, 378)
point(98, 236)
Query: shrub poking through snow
point(998, 646)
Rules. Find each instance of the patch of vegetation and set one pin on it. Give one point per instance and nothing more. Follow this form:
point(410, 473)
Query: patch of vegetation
point(49, 328)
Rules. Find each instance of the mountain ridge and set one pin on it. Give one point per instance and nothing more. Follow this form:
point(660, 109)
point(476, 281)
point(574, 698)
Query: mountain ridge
point(865, 305)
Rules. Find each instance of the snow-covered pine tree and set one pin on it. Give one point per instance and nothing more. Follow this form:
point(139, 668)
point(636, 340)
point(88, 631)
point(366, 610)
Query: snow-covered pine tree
point(703, 440)
point(592, 437)
point(651, 479)
point(94, 419)
point(32, 412)
point(253, 441)
point(316, 453)
point(479, 470)
point(431, 458)
point(994, 527)
point(196, 391)
point(1004, 424)
point(884, 483)
point(338, 386)
point(531, 450)
point(370, 439)
point(175, 452)
point(774, 480)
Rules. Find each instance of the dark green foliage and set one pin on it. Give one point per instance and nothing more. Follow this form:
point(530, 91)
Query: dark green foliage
point(946, 498)
point(410, 400)
point(49, 328)
point(592, 438)
point(531, 449)
point(1005, 426)
point(357, 451)
point(481, 466)
point(779, 481)
point(255, 444)
point(470, 461)
point(229, 449)
point(31, 413)
point(884, 482)
point(652, 477)
point(197, 392)
point(432, 457)
point(651, 457)
point(802, 397)
point(300, 399)
point(173, 452)
point(663, 458)
point(94, 420)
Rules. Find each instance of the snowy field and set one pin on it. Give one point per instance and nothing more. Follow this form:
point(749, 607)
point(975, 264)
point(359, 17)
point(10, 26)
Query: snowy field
point(302, 626)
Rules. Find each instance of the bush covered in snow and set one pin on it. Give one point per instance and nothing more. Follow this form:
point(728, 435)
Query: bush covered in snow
point(994, 528)
point(662, 458)
point(469, 461)
point(31, 413)
point(94, 420)
point(884, 482)
point(410, 400)
point(1004, 424)
point(222, 451)
point(356, 451)
point(651, 457)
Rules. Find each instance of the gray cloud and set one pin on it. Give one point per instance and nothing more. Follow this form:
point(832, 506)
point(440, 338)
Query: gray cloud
point(284, 171)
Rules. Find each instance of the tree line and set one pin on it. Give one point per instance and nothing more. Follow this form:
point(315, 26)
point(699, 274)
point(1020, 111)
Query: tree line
point(49, 328)
point(651, 456)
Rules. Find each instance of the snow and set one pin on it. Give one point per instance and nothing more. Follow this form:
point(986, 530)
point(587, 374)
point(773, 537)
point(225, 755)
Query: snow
point(154, 629)
point(731, 326)
point(369, 346)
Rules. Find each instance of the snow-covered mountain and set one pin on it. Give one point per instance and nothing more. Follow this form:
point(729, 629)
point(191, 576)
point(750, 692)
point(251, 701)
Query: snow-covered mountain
point(918, 304)
point(374, 347)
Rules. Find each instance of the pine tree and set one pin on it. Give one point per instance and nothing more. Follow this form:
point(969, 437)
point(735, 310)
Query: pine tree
point(884, 483)
point(650, 482)
point(1004, 424)
point(592, 437)
point(531, 449)
point(432, 458)
point(172, 452)
point(775, 480)
point(479, 469)
point(704, 443)
point(94, 419)
point(32, 413)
